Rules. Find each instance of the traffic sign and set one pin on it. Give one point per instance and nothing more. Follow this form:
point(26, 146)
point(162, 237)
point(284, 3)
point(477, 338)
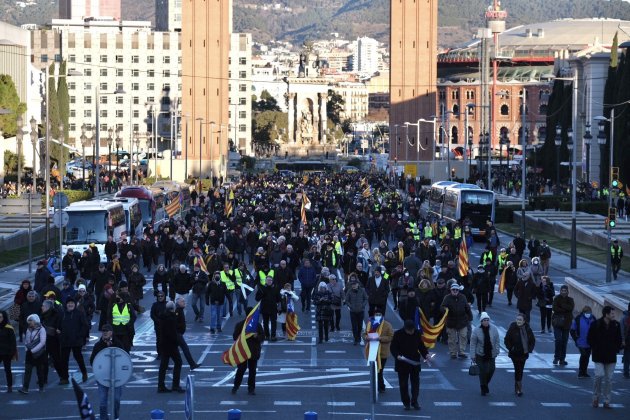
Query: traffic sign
point(60, 200)
point(189, 410)
point(60, 218)
point(121, 371)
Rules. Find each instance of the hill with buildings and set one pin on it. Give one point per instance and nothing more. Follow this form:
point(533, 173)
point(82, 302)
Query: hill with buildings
point(299, 20)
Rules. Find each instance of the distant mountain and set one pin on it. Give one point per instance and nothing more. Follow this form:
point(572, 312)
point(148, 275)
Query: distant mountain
point(299, 20)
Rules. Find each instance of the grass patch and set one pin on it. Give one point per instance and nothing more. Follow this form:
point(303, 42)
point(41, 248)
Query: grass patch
point(584, 251)
point(20, 255)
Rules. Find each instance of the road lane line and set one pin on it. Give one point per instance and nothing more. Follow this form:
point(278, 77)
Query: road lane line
point(502, 404)
point(287, 403)
point(226, 378)
point(555, 405)
point(341, 403)
point(447, 403)
point(233, 402)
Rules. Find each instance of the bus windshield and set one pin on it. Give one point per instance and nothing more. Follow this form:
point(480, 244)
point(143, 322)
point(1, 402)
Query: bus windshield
point(145, 209)
point(86, 227)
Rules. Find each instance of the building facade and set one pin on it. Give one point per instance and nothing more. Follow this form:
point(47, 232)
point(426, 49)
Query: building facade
point(355, 97)
point(365, 57)
point(79, 9)
point(128, 66)
point(168, 15)
point(413, 74)
point(205, 93)
point(240, 86)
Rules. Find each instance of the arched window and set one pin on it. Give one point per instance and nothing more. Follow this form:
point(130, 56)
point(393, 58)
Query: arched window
point(454, 135)
point(542, 109)
point(455, 94)
point(455, 109)
point(505, 110)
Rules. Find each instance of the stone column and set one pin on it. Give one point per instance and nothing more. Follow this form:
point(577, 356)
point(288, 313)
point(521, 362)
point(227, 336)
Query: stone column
point(291, 118)
point(323, 116)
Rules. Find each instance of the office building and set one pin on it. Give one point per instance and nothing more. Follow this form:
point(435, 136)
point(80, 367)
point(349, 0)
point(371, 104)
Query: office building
point(80, 9)
point(240, 86)
point(168, 15)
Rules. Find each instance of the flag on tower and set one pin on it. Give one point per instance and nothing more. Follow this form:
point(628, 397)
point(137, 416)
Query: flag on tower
point(240, 352)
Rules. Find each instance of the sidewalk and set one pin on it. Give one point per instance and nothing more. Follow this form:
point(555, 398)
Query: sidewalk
point(588, 272)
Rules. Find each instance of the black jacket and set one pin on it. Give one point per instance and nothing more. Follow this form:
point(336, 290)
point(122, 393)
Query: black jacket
point(8, 344)
point(410, 346)
point(157, 310)
point(605, 341)
point(254, 343)
point(161, 278)
point(215, 293)
point(407, 307)
point(459, 313)
point(377, 295)
point(73, 326)
point(182, 282)
point(168, 332)
point(268, 296)
point(514, 344)
point(101, 344)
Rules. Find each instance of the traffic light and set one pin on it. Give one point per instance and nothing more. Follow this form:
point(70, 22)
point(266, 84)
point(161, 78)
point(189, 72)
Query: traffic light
point(612, 216)
point(614, 177)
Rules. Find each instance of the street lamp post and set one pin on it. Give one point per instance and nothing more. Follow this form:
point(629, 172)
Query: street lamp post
point(62, 169)
point(573, 161)
point(34, 141)
point(558, 142)
point(201, 120)
point(136, 142)
point(588, 138)
point(502, 141)
point(110, 141)
point(469, 138)
point(84, 143)
point(18, 136)
point(601, 139)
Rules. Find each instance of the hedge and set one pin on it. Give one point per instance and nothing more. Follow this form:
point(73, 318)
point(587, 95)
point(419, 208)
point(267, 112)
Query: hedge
point(505, 214)
point(593, 207)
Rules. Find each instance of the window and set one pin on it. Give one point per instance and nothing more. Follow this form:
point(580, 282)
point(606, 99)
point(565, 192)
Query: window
point(87, 86)
point(73, 113)
point(442, 94)
point(166, 87)
point(119, 59)
point(166, 73)
point(73, 127)
point(103, 88)
point(150, 86)
point(72, 58)
point(136, 127)
point(136, 113)
point(103, 113)
point(57, 58)
point(119, 100)
point(242, 128)
point(119, 113)
point(505, 110)
point(150, 73)
point(102, 100)
point(542, 109)
point(135, 86)
point(87, 113)
point(166, 59)
point(119, 72)
point(103, 72)
point(72, 85)
point(455, 109)
point(455, 94)
point(87, 72)
point(87, 99)
point(73, 99)
point(150, 59)
point(242, 87)
point(44, 58)
point(242, 74)
point(242, 101)
point(242, 114)
point(103, 127)
point(119, 86)
point(470, 94)
point(150, 99)
point(242, 61)
point(135, 73)
point(136, 100)
point(135, 59)
point(103, 59)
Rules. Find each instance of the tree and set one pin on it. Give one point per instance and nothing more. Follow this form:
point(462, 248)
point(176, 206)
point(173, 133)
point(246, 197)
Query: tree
point(52, 107)
point(334, 107)
point(10, 101)
point(558, 113)
point(63, 99)
point(268, 126)
point(11, 162)
point(266, 103)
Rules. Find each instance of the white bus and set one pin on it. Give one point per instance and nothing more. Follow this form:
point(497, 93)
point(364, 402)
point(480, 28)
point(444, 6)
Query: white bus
point(92, 222)
point(436, 197)
point(133, 215)
point(469, 205)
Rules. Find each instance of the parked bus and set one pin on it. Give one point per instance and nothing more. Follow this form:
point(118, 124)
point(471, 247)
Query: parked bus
point(471, 204)
point(172, 190)
point(436, 197)
point(151, 202)
point(92, 222)
point(133, 217)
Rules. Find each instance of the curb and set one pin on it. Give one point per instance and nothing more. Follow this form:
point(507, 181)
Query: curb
point(12, 266)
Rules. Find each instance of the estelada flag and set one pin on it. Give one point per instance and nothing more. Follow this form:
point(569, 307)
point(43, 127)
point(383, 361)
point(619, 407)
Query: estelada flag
point(463, 257)
point(173, 207)
point(502, 281)
point(292, 320)
point(367, 192)
point(229, 205)
point(201, 263)
point(430, 333)
point(363, 182)
point(239, 352)
point(373, 327)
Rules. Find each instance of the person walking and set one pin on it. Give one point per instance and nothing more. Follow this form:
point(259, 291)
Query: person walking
point(625, 333)
point(169, 350)
point(519, 341)
point(199, 287)
point(525, 292)
point(72, 333)
point(336, 291)
point(546, 294)
point(481, 287)
point(357, 300)
point(616, 254)
point(457, 321)
point(579, 332)
point(407, 348)
point(215, 299)
point(35, 344)
point(604, 337)
point(157, 309)
point(378, 289)
point(254, 342)
point(322, 299)
point(8, 348)
point(381, 331)
point(180, 312)
point(107, 340)
point(561, 319)
point(269, 296)
point(484, 342)
point(306, 276)
point(122, 317)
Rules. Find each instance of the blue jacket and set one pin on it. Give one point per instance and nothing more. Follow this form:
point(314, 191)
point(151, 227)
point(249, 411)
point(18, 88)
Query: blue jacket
point(307, 276)
point(579, 333)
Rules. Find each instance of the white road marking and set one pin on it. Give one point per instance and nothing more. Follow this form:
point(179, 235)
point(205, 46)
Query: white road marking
point(340, 403)
point(233, 403)
point(287, 403)
point(293, 351)
point(335, 351)
point(447, 403)
point(502, 404)
point(226, 378)
point(555, 405)
point(338, 370)
point(310, 378)
point(563, 371)
point(391, 404)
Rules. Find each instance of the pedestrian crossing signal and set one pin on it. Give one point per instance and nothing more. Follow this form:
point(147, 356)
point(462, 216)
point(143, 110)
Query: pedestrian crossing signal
point(612, 217)
point(614, 177)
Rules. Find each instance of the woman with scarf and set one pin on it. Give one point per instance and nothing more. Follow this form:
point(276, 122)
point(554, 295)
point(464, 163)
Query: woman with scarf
point(322, 299)
point(519, 341)
point(484, 342)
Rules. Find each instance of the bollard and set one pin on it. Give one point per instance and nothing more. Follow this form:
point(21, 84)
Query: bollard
point(310, 415)
point(157, 414)
point(234, 414)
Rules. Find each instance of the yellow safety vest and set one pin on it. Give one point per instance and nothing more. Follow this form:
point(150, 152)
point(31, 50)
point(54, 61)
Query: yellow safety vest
point(487, 256)
point(428, 231)
point(263, 276)
point(443, 232)
point(458, 233)
point(227, 280)
point(239, 277)
point(338, 247)
point(120, 318)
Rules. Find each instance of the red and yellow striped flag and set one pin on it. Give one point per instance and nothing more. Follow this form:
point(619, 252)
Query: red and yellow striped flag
point(502, 281)
point(201, 263)
point(306, 205)
point(292, 321)
point(229, 204)
point(173, 207)
point(239, 352)
point(463, 257)
point(430, 333)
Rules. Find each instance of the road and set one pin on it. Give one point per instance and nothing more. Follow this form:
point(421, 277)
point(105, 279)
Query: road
point(332, 379)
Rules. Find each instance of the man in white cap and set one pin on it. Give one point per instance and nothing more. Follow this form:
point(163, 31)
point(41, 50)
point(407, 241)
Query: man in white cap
point(459, 316)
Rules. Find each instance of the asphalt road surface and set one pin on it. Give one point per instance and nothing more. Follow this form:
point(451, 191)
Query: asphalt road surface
point(332, 379)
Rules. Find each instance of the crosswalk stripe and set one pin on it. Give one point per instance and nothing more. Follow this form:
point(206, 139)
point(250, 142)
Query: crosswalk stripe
point(447, 403)
point(341, 403)
point(555, 405)
point(287, 403)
